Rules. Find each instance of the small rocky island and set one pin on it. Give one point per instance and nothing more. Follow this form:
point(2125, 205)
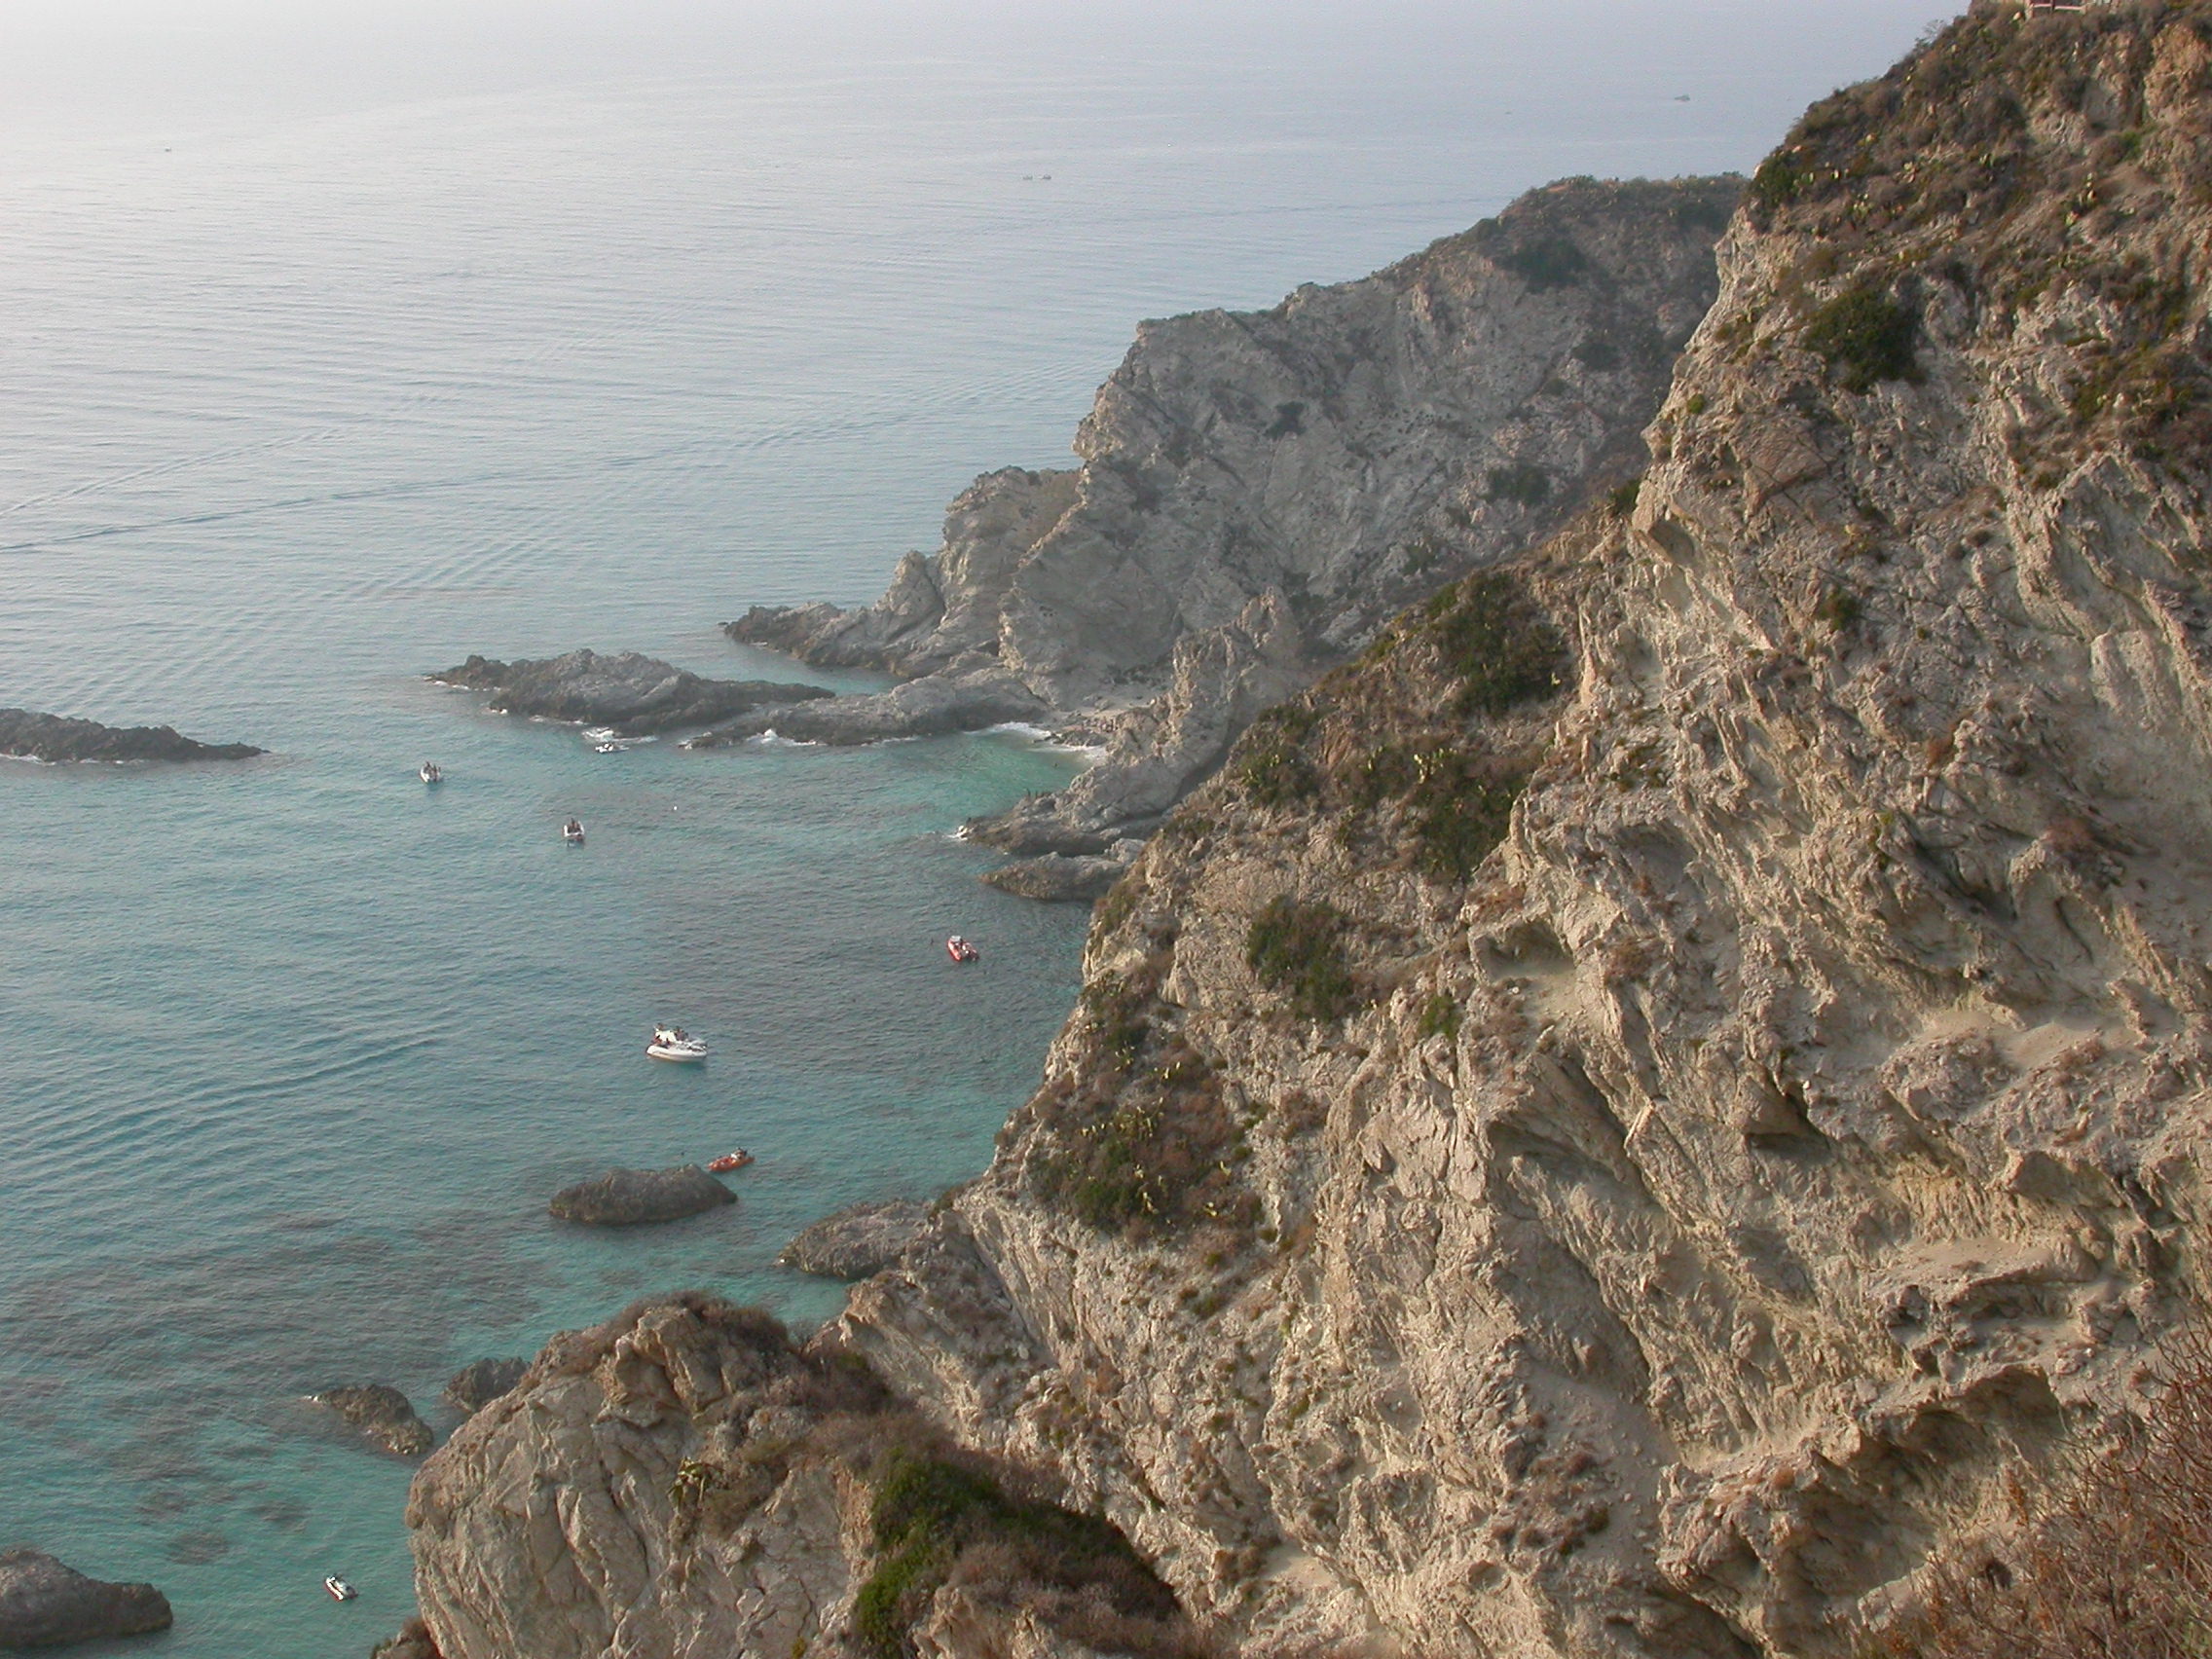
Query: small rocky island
point(634, 694)
point(857, 1241)
point(383, 1414)
point(28, 735)
point(634, 1198)
point(476, 1385)
point(46, 1603)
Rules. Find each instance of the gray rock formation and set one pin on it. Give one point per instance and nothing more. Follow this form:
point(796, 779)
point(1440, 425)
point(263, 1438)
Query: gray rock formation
point(857, 1241)
point(383, 1414)
point(631, 1198)
point(1058, 878)
point(43, 1604)
point(56, 738)
point(634, 694)
point(1258, 492)
point(684, 1483)
point(934, 706)
point(477, 1384)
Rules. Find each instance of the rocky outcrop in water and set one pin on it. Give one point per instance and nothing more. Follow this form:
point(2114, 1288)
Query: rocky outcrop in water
point(936, 707)
point(634, 1198)
point(414, 1642)
point(1060, 878)
point(634, 694)
point(383, 1414)
point(56, 738)
point(43, 1604)
point(1258, 492)
point(857, 1241)
point(477, 1384)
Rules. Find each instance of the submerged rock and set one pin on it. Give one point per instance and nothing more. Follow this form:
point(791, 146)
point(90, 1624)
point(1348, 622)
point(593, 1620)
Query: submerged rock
point(383, 1413)
point(629, 1198)
point(414, 1642)
point(26, 735)
point(857, 1241)
point(476, 1385)
point(45, 1604)
point(632, 693)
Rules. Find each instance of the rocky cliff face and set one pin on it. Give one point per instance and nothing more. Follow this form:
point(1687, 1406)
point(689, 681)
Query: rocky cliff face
point(1258, 492)
point(1629, 1116)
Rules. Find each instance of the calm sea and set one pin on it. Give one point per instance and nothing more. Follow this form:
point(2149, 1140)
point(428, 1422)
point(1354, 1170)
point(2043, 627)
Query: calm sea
point(324, 363)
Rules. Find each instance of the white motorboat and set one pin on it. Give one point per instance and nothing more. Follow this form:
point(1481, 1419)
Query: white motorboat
point(433, 772)
point(674, 1042)
point(339, 1590)
point(573, 832)
point(607, 749)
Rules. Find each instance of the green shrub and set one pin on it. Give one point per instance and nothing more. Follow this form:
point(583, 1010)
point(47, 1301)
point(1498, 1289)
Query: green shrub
point(1530, 486)
point(1598, 354)
point(1620, 499)
point(1270, 762)
point(1297, 948)
point(1503, 649)
point(1778, 180)
point(1868, 335)
point(1839, 608)
point(1439, 1017)
point(1546, 262)
point(1461, 813)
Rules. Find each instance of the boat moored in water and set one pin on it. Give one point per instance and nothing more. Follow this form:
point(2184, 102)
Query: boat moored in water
point(339, 1590)
point(962, 950)
point(433, 772)
point(729, 1160)
point(674, 1042)
point(573, 832)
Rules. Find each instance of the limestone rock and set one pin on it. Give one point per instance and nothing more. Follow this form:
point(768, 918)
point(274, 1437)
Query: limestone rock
point(383, 1414)
point(633, 694)
point(414, 1642)
point(43, 1604)
point(54, 738)
point(1258, 492)
point(1057, 878)
point(921, 708)
point(857, 1241)
point(632, 1197)
point(477, 1384)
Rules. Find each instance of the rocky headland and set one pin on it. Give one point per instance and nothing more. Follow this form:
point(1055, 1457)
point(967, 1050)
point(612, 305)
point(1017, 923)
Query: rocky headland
point(1657, 1110)
point(26, 735)
point(45, 1604)
point(633, 694)
point(1258, 492)
point(637, 1197)
point(385, 1417)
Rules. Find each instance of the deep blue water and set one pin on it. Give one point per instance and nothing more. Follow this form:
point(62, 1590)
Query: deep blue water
point(316, 382)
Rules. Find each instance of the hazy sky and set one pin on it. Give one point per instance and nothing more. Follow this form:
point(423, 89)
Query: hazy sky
point(113, 64)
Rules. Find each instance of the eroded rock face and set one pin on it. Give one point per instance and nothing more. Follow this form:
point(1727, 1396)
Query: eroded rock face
point(56, 738)
point(383, 1414)
point(857, 1241)
point(45, 1604)
point(635, 1197)
point(477, 1384)
point(934, 706)
point(684, 1483)
point(1258, 492)
point(1665, 1233)
point(633, 694)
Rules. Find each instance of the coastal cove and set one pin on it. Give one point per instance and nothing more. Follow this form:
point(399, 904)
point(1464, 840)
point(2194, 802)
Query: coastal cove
point(295, 1049)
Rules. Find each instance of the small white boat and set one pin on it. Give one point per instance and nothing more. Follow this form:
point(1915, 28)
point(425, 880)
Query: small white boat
point(674, 1042)
point(607, 749)
point(339, 1590)
point(573, 832)
point(433, 772)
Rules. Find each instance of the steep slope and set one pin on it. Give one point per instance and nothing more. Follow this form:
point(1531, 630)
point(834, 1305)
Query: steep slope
point(1260, 490)
point(1663, 1232)
point(1623, 1120)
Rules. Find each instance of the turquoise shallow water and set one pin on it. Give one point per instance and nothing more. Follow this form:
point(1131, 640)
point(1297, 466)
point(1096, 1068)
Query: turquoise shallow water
point(306, 396)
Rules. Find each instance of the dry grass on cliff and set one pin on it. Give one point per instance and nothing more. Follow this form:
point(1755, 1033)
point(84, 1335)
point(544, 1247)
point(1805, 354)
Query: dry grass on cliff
point(2117, 1564)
